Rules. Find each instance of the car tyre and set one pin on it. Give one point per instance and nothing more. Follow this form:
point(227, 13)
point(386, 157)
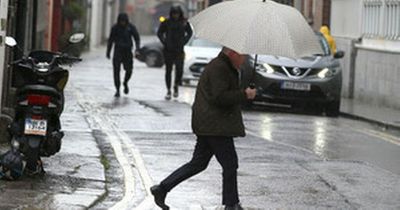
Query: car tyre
point(186, 81)
point(247, 105)
point(153, 59)
point(332, 109)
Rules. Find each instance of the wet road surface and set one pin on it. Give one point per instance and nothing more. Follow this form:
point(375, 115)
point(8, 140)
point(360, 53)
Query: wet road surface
point(287, 161)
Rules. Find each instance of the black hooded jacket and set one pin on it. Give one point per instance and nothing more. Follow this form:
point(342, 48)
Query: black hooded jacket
point(174, 34)
point(121, 35)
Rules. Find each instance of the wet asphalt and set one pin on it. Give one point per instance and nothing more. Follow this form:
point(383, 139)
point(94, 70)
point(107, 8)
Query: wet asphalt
point(116, 148)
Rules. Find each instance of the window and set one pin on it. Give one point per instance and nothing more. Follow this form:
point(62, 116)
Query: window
point(392, 19)
point(324, 44)
point(381, 19)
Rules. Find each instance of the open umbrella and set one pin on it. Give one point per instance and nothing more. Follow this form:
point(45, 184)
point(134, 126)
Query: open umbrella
point(257, 27)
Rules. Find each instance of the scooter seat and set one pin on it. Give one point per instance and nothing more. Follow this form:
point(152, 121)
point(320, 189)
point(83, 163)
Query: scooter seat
point(39, 89)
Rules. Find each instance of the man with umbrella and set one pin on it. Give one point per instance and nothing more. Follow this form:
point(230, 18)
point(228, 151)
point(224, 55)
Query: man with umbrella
point(244, 27)
point(216, 119)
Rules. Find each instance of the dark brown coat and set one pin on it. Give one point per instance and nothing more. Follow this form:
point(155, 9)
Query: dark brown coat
point(216, 109)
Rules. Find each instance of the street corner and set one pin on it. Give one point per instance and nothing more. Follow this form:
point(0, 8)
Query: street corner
point(49, 191)
point(79, 157)
point(82, 198)
point(80, 161)
point(74, 178)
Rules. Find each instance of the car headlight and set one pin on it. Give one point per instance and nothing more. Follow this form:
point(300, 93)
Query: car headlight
point(265, 68)
point(188, 56)
point(324, 73)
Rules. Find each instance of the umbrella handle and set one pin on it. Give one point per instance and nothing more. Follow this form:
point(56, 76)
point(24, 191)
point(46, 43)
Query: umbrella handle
point(252, 84)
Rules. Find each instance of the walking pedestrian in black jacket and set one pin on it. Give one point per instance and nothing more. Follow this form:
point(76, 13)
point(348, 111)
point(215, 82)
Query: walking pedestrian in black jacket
point(121, 37)
point(174, 33)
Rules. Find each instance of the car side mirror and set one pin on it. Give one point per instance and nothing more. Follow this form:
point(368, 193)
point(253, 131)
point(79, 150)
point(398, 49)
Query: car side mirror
point(339, 54)
point(76, 38)
point(10, 41)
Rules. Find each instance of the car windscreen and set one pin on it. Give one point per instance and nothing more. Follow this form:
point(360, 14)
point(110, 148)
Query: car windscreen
point(203, 43)
point(324, 44)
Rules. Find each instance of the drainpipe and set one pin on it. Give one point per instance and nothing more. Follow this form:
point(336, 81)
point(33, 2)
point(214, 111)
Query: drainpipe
point(353, 60)
point(4, 119)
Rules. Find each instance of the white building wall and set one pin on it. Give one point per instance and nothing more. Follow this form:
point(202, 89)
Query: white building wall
point(108, 22)
point(103, 16)
point(346, 18)
point(3, 26)
point(96, 23)
point(345, 45)
point(375, 78)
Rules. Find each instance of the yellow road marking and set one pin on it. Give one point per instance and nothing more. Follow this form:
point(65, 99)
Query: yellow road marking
point(381, 135)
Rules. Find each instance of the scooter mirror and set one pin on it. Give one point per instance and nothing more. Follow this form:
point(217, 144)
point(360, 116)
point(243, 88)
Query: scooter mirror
point(10, 41)
point(76, 38)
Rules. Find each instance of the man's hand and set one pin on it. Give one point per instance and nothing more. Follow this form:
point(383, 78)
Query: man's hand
point(250, 93)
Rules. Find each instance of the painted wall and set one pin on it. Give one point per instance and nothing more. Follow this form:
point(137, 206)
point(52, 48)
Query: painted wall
point(377, 77)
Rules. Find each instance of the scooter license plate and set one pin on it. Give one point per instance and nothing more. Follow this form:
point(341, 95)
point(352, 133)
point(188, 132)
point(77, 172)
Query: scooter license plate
point(35, 127)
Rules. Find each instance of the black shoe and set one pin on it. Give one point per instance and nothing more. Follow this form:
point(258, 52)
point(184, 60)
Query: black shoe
point(126, 88)
point(116, 94)
point(168, 96)
point(159, 196)
point(234, 207)
point(176, 93)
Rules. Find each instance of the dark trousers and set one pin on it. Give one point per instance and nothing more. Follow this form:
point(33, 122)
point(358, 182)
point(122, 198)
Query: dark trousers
point(224, 150)
point(172, 59)
point(124, 57)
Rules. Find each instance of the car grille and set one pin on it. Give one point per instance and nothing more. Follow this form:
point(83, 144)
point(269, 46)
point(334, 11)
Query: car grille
point(296, 72)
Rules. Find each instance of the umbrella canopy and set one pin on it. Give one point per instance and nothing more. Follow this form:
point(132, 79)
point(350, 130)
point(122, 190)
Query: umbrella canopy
point(257, 27)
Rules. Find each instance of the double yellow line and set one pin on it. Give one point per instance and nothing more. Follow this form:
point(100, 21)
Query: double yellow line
point(381, 135)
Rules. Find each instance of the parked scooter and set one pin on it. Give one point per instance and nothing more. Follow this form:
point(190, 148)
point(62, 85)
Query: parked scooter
point(40, 79)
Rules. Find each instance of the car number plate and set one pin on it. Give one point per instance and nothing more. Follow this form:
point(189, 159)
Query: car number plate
point(35, 127)
point(296, 86)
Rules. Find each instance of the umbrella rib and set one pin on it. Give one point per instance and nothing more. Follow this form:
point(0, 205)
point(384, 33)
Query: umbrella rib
point(286, 29)
point(255, 21)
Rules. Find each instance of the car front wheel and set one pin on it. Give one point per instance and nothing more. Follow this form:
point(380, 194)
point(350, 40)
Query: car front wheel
point(332, 109)
point(186, 81)
point(153, 59)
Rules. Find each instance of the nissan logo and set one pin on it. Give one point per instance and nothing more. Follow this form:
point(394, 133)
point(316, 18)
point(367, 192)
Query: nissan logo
point(296, 71)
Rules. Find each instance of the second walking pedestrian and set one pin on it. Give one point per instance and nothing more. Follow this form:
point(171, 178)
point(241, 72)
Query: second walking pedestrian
point(174, 33)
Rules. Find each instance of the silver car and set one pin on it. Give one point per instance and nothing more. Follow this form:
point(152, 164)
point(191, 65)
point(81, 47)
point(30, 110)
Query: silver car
point(313, 80)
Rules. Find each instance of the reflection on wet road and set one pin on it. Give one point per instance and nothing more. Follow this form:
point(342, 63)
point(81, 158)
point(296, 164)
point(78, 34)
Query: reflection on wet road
point(329, 138)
